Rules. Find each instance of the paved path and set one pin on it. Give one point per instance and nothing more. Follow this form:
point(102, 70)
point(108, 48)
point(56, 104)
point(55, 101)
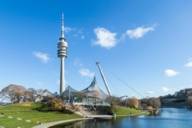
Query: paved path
point(100, 116)
point(47, 125)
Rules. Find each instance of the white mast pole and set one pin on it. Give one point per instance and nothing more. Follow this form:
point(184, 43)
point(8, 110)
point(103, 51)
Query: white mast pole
point(104, 79)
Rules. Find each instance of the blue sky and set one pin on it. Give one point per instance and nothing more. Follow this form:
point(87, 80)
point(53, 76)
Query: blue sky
point(145, 43)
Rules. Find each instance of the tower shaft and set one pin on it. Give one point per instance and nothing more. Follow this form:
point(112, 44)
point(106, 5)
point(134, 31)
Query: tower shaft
point(62, 75)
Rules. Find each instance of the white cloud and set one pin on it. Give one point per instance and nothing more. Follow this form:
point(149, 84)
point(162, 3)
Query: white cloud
point(68, 29)
point(43, 57)
point(170, 72)
point(150, 92)
point(139, 32)
point(165, 89)
point(77, 62)
point(86, 72)
point(189, 63)
point(105, 38)
point(75, 32)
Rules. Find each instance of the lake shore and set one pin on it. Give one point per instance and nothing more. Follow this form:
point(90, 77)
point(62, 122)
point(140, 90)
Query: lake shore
point(55, 123)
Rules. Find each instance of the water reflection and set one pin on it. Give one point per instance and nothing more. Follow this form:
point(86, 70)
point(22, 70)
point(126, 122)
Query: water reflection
point(169, 118)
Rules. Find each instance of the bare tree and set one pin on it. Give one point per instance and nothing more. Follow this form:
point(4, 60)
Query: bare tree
point(133, 102)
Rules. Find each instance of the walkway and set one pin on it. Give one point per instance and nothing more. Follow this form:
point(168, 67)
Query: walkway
point(50, 124)
point(100, 116)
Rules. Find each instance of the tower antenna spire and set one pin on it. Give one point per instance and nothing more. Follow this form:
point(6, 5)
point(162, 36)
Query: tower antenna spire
point(62, 25)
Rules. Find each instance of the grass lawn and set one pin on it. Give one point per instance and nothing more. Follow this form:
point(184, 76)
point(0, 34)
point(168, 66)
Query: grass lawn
point(120, 111)
point(24, 116)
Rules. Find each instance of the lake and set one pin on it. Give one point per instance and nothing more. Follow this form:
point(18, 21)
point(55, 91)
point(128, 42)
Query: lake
point(168, 118)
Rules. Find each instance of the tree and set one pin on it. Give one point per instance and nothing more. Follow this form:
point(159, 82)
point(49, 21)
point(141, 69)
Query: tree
point(16, 97)
point(56, 104)
point(28, 96)
point(133, 102)
point(189, 101)
point(53, 104)
point(153, 102)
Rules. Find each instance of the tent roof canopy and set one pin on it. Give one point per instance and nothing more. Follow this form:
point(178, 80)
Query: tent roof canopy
point(94, 91)
point(69, 90)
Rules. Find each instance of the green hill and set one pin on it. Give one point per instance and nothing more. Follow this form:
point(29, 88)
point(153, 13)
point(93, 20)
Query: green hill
point(25, 116)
